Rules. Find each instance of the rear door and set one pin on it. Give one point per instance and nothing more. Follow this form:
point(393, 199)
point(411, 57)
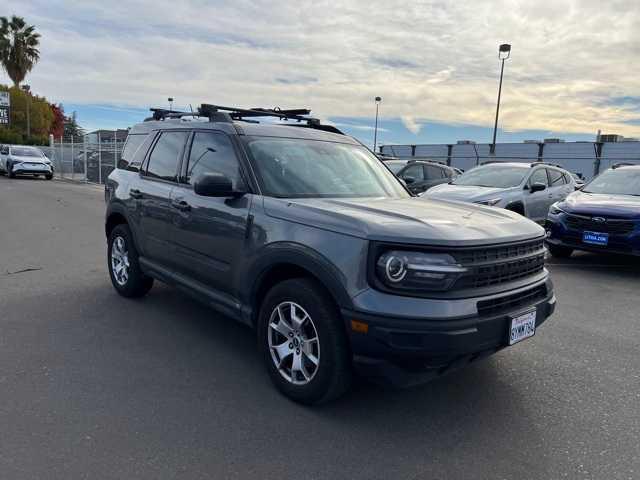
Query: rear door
point(434, 175)
point(559, 185)
point(152, 194)
point(209, 232)
point(537, 203)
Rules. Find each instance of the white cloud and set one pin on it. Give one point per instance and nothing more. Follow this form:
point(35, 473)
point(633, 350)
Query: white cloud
point(430, 61)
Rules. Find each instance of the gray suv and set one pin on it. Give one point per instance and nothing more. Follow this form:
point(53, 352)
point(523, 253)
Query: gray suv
point(526, 188)
point(302, 233)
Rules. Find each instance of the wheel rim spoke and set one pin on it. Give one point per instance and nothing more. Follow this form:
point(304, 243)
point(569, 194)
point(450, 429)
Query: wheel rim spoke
point(120, 261)
point(293, 343)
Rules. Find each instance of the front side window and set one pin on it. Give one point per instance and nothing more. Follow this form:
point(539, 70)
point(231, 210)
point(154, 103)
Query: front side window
point(213, 152)
point(414, 171)
point(298, 168)
point(163, 161)
point(493, 176)
point(624, 181)
point(539, 176)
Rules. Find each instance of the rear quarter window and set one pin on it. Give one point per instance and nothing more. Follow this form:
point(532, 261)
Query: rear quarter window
point(129, 159)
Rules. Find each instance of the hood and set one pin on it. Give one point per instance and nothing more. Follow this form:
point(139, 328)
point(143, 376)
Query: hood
point(465, 193)
point(598, 204)
point(407, 220)
point(16, 158)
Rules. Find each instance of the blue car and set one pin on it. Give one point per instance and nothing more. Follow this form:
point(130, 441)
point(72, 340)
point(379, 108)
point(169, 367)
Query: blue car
point(604, 216)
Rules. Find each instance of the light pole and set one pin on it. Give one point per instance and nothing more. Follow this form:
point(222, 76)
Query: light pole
point(170, 99)
point(27, 89)
point(504, 52)
point(375, 130)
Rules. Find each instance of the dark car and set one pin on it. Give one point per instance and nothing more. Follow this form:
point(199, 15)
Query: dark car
point(420, 175)
point(602, 217)
point(303, 234)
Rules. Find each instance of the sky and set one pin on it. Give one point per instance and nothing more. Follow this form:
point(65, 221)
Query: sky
point(573, 70)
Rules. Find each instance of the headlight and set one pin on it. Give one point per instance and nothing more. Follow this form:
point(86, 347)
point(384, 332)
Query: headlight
point(555, 209)
point(489, 203)
point(417, 271)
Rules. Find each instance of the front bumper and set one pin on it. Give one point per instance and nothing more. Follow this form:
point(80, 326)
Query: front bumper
point(404, 352)
point(559, 234)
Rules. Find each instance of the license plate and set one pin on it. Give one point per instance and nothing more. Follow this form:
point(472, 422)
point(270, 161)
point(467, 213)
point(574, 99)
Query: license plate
point(595, 238)
point(523, 326)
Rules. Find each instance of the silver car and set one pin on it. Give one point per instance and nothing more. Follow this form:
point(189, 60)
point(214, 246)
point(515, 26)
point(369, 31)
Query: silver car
point(24, 160)
point(527, 188)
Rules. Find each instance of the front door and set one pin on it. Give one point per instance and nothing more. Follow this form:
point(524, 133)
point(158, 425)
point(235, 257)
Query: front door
point(537, 203)
point(209, 232)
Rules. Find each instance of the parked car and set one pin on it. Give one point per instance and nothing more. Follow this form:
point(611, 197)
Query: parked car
point(602, 217)
point(579, 180)
point(420, 175)
point(303, 234)
point(526, 188)
point(24, 160)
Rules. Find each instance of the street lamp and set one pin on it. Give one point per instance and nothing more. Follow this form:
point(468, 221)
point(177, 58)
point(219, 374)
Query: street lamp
point(27, 89)
point(504, 52)
point(170, 99)
point(375, 131)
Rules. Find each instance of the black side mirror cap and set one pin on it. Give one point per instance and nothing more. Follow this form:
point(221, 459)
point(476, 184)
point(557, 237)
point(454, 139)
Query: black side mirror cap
point(537, 187)
point(215, 184)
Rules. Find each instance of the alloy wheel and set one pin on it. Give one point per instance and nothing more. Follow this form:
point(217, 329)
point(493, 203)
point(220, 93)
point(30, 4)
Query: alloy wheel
point(120, 261)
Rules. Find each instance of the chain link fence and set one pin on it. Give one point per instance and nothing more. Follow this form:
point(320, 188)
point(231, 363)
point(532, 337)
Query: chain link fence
point(89, 158)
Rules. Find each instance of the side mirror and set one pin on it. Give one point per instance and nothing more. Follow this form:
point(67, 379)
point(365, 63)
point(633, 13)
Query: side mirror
point(215, 185)
point(538, 187)
point(409, 180)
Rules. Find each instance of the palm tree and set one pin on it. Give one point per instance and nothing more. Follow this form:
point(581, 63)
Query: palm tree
point(18, 47)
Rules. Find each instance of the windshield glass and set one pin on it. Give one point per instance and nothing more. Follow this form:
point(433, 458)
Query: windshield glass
point(25, 152)
point(492, 176)
point(296, 168)
point(624, 181)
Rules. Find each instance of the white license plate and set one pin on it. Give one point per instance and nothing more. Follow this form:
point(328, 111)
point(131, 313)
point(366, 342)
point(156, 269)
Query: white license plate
point(523, 326)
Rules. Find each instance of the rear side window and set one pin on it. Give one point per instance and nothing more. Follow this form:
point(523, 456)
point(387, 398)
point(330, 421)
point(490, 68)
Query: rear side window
point(163, 161)
point(433, 173)
point(131, 147)
point(556, 178)
point(539, 176)
point(213, 152)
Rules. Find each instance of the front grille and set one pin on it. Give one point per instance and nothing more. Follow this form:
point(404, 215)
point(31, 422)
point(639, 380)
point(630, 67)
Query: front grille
point(512, 302)
point(614, 226)
point(502, 264)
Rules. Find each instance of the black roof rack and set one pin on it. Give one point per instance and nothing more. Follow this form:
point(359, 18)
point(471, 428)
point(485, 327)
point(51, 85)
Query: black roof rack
point(218, 113)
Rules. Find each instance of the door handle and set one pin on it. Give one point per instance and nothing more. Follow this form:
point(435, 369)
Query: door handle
point(181, 205)
point(135, 193)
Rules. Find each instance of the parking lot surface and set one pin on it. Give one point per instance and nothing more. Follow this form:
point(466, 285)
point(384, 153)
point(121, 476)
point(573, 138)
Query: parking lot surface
point(93, 385)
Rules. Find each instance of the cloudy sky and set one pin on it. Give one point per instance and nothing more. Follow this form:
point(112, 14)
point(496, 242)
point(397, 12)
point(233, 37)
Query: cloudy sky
point(574, 67)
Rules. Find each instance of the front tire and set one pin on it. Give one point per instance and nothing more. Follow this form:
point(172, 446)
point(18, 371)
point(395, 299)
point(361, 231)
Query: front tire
point(124, 269)
point(303, 343)
point(49, 176)
point(559, 251)
point(10, 171)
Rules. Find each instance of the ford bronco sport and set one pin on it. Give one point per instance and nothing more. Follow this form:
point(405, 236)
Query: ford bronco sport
point(302, 233)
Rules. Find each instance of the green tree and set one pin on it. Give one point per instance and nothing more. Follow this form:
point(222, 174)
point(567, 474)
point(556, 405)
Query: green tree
point(18, 47)
point(40, 113)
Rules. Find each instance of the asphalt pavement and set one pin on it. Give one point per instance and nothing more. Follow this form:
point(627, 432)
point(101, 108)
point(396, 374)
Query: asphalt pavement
point(93, 385)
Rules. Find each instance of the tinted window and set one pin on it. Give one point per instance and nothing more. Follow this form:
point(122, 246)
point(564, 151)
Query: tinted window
point(539, 176)
point(415, 172)
point(25, 152)
point(433, 173)
point(4, 150)
point(130, 148)
point(163, 161)
point(556, 178)
point(212, 152)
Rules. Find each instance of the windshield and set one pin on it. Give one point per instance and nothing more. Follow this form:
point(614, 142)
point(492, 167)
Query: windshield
point(492, 176)
point(616, 182)
point(25, 152)
point(296, 168)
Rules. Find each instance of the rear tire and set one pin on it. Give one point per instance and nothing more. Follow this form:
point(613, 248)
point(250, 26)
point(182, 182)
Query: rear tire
point(309, 372)
point(559, 251)
point(124, 269)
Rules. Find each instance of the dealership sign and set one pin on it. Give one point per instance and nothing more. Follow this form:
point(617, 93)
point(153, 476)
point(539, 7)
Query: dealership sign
point(5, 103)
